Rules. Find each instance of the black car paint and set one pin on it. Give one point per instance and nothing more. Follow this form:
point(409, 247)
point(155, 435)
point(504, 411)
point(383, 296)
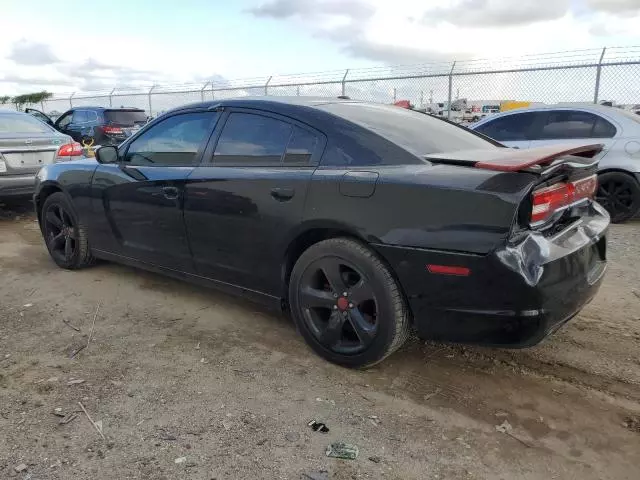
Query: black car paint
point(223, 226)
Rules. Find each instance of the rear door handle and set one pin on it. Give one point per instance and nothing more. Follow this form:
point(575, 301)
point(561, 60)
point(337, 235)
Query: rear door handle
point(283, 194)
point(170, 193)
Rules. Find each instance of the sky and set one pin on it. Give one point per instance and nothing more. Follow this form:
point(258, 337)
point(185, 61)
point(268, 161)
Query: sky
point(65, 47)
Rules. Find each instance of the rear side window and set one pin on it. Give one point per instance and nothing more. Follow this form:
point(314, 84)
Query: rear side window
point(174, 141)
point(301, 147)
point(92, 116)
point(253, 140)
point(418, 133)
point(125, 118)
point(21, 123)
point(568, 124)
point(510, 128)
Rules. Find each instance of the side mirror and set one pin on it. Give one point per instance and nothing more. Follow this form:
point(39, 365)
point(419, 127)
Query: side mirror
point(107, 154)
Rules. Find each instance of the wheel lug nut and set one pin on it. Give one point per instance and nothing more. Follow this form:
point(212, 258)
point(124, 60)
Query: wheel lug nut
point(351, 305)
point(335, 295)
point(344, 294)
point(335, 307)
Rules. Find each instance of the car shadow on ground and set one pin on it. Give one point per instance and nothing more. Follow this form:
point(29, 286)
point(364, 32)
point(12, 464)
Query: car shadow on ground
point(15, 208)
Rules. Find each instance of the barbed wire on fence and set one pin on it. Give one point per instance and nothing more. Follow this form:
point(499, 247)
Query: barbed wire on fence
point(587, 75)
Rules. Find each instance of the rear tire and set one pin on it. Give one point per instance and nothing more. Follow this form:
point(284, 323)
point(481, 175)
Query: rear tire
point(355, 330)
point(619, 194)
point(64, 233)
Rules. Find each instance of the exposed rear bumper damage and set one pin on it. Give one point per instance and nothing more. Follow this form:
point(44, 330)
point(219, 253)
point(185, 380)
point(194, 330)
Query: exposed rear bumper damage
point(512, 297)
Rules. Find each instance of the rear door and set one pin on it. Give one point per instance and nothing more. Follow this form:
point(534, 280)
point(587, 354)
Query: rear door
point(78, 125)
point(566, 126)
point(138, 203)
point(243, 202)
point(513, 130)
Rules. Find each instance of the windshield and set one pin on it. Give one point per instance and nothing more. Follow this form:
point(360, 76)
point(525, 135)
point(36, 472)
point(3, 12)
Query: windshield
point(125, 118)
point(21, 123)
point(419, 133)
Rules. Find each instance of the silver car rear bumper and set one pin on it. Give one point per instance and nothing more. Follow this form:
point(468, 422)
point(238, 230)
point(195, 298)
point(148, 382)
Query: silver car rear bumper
point(17, 185)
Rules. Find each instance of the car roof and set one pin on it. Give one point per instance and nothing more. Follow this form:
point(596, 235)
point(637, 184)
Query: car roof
point(89, 107)
point(275, 103)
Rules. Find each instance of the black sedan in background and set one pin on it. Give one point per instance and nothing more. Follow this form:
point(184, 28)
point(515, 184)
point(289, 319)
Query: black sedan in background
point(364, 221)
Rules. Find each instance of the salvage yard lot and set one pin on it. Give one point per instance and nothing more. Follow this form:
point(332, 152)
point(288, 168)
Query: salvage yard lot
point(175, 371)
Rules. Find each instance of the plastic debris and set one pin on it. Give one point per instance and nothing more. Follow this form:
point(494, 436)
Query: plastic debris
point(504, 427)
point(342, 450)
point(318, 426)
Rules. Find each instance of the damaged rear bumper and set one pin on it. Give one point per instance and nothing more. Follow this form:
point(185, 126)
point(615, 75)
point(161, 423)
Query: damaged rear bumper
point(512, 297)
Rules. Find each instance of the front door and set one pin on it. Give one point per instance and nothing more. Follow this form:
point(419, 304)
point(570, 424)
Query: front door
point(39, 115)
point(243, 203)
point(139, 202)
point(513, 130)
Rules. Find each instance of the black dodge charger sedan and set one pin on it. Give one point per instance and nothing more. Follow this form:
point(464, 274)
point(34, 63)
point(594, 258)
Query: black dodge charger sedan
point(364, 221)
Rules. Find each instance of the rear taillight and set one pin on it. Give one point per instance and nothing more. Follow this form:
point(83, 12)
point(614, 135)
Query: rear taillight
point(112, 130)
point(549, 200)
point(73, 149)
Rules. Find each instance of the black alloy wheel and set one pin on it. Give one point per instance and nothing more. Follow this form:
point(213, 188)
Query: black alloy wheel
point(619, 194)
point(346, 303)
point(65, 236)
point(61, 234)
point(339, 305)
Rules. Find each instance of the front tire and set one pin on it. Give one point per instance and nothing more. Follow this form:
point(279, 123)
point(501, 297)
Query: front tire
point(346, 303)
point(64, 234)
point(619, 194)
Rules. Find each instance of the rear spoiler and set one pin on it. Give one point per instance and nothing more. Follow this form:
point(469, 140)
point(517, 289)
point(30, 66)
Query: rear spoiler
point(514, 160)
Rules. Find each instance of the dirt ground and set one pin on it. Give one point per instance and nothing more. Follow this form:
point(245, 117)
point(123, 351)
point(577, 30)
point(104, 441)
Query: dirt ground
point(191, 383)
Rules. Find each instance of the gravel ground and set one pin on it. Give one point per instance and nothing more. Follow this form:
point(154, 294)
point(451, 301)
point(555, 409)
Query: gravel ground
point(190, 383)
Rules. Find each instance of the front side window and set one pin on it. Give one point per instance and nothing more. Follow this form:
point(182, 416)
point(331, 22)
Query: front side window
point(64, 120)
point(252, 140)
point(567, 124)
point(510, 128)
point(173, 142)
point(80, 116)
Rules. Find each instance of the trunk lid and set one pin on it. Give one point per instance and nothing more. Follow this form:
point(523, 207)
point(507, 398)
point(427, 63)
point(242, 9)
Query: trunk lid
point(27, 153)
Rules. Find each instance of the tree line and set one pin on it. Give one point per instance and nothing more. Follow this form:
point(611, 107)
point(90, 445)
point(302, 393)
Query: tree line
point(26, 98)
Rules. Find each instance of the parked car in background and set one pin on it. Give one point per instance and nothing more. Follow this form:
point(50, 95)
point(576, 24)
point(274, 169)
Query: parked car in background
point(103, 125)
point(363, 220)
point(26, 145)
point(618, 130)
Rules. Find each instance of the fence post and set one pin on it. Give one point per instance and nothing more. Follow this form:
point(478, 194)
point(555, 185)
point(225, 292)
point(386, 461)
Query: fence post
point(298, 90)
point(450, 90)
point(344, 82)
point(70, 98)
point(598, 72)
point(266, 86)
point(395, 93)
point(110, 97)
point(149, 95)
point(202, 91)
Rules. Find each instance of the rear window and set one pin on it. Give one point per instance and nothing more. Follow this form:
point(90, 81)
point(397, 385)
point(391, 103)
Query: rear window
point(22, 123)
point(125, 118)
point(419, 133)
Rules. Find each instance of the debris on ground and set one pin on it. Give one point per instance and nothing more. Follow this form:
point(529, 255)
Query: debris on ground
point(180, 460)
point(68, 324)
point(504, 427)
point(93, 324)
point(375, 459)
point(292, 436)
point(68, 418)
point(632, 423)
point(342, 450)
point(76, 381)
point(321, 475)
point(58, 412)
point(167, 436)
point(318, 426)
point(20, 468)
point(97, 425)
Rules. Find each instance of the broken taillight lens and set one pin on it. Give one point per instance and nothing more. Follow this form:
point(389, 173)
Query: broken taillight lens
point(549, 200)
point(73, 149)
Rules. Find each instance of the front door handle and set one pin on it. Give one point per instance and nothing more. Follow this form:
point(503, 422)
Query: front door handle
point(170, 193)
point(283, 194)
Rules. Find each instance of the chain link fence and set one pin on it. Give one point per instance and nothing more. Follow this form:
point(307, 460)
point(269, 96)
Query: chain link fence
point(592, 75)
